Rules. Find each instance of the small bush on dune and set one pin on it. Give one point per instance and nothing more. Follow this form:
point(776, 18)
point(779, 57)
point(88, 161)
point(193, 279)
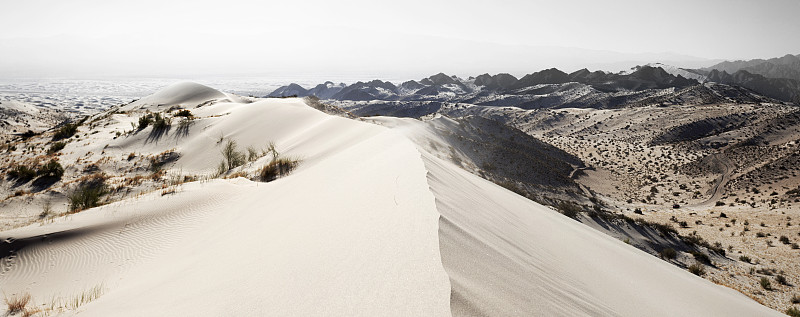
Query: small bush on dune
point(744, 258)
point(277, 168)
point(697, 269)
point(231, 155)
point(66, 131)
point(792, 311)
point(55, 147)
point(569, 209)
point(765, 284)
point(88, 193)
point(21, 173)
point(51, 170)
point(184, 113)
point(781, 280)
point(161, 123)
point(16, 304)
point(668, 253)
point(144, 121)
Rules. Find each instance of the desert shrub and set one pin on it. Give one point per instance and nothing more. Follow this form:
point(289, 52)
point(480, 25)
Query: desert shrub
point(719, 203)
point(569, 209)
point(784, 240)
point(701, 257)
point(144, 121)
point(683, 224)
point(781, 279)
point(16, 304)
point(795, 299)
point(795, 246)
point(276, 168)
point(760, 235)
point(252, 154)
point(160, 122)
point(794, 312)
point(184, 113)
point(55, 147)
point(66, 131)
point(664, 229)
point(744, 258)
point(668, 253)
point(51, 169)
point(697, 269)
point(21, 173)
point(163, 158)
point(765, 284)
point(231, 156)
point(88, 193)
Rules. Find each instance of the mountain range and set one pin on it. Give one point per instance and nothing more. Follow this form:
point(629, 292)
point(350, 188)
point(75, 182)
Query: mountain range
point(774, 80)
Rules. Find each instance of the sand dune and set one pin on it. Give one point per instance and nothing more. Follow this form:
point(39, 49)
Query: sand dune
point(370, 224)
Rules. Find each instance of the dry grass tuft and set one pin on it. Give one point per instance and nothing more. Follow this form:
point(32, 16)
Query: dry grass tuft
point(17, 303)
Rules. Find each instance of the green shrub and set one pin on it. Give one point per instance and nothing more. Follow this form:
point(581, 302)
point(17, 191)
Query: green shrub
point(21, 173)
point(88, 193)
point(144, 121)
point(161, 123)
point(55, 147)
point(765, 283)
point(744, 258)
point(794, 312)
point(697, 269)
point(51, 170)
point(66, 131)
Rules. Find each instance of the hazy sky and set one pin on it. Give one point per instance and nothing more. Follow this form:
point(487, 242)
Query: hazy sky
point(382, 38)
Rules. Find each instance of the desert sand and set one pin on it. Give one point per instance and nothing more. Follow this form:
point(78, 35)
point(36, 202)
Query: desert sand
point(370, 223)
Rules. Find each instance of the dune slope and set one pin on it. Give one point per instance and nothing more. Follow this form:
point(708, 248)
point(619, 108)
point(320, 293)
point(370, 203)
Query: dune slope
point(370, 224)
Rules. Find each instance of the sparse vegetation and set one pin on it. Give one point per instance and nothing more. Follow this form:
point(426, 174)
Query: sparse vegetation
point(744, 258)
point(88, 193)
point(781, 279)
point(144, 121)
point(765, 284)
point(16, 304)
point(569, 209)
point(66, 131)
point(21, 173)
point(697, 269)
point(55, 147)
point(231, 156)
point(668, 253)
point(184, 113)
point(792, 311)
point(276, 168)
point(51, 169)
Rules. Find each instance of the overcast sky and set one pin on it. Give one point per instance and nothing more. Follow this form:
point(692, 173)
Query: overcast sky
point(382, 38)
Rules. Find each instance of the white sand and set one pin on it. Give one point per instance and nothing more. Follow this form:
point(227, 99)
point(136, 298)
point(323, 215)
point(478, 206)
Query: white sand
point(356, 230)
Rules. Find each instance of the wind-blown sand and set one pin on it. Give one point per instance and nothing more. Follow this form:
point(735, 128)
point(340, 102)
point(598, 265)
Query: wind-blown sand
point(370, 224)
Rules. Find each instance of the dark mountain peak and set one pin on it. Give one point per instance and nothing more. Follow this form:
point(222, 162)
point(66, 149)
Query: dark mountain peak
point(289, 90)
point(412, 85)
point(441, 79)
point(547, 76)
point(499, 81)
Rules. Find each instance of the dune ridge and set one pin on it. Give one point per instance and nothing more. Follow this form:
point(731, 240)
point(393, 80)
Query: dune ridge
point(369, 224)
